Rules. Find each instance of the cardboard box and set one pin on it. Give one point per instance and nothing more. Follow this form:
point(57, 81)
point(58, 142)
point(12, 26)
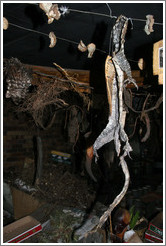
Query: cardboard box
point(23, 203)
point(155, 230)
point(21, 229)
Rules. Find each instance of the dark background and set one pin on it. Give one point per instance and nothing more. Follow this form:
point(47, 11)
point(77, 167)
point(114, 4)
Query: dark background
point(33, 48)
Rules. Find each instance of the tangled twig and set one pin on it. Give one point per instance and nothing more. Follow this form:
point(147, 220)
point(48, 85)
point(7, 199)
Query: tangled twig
point(159, 101)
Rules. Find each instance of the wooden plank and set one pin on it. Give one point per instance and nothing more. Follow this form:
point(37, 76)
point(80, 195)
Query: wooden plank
point(82, 76)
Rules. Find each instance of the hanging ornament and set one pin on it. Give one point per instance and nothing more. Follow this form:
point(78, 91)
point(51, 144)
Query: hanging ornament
point(82, 47)
point(5, 23)
point(91, 49)
point(149, 24)
point(45, 6)
point(141, 64)
point(53, 39)
point(51, 11)
point(64, 10)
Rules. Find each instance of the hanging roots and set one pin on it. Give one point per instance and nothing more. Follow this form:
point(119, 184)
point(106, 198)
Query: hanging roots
point(46, 99)
point(46, 95)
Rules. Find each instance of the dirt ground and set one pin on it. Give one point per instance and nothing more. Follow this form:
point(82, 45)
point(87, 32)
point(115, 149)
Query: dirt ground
point(58, 185)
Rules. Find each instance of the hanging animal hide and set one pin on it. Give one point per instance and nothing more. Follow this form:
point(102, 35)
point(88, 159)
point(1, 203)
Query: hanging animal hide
point(114, 71)
point(149, 24)
point(51, 10)
point(5, 23)
point(90, 47)
point(53, 39)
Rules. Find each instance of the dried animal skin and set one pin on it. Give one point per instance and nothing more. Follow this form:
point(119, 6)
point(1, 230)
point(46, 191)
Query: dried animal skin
point(45, 7)
point(5, 23)
point(91, 49)
point(114, 130)
point(141, 64)
point(109, 75)
point(108, 134)
point(82, 47)
point(149, 24)
point(120, 58)
point(51, 11)
point(53, 39)
point(119, 31)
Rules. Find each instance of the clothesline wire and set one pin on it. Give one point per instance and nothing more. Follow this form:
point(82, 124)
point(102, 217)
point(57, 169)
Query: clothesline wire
point(64, 39)
point(91, 13)
point(109, 9)
point(115, 17)
point(27, 29)
point(110, 38)
point(105, 15)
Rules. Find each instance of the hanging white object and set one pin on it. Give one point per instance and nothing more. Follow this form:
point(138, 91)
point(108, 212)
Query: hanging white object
point(53, 39)
point(64, 10)
point(149, 24)
point(51, 11)
point(45, 6)
point(82, 47)
point(91, 49)
point(5, 23)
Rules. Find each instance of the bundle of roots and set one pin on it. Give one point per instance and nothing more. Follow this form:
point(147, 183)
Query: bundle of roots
point(43, 99)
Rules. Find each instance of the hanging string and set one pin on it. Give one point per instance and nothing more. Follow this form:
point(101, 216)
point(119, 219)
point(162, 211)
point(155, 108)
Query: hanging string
point(42, 33)
point(63, 39)
point(105, 15)
point(91, 13)
point(27, 29)
point(109, 9)
point(67, 40)
point(101, 14)
point(110, 40)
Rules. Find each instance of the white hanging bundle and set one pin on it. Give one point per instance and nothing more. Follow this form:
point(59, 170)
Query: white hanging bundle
point(90, 48)
point(51, 11)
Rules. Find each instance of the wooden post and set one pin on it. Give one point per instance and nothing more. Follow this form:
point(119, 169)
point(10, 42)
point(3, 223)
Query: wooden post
point(38, 158)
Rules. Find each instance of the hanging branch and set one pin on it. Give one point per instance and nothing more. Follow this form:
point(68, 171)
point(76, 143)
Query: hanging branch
point(159, 101)
point(147, 122)
point(44, 100)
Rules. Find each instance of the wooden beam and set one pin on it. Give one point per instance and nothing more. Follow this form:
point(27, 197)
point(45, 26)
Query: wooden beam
point(83, 76)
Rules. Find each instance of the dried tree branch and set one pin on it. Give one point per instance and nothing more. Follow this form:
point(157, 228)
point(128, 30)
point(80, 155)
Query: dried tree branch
point(159, 101)
point(147, 121)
